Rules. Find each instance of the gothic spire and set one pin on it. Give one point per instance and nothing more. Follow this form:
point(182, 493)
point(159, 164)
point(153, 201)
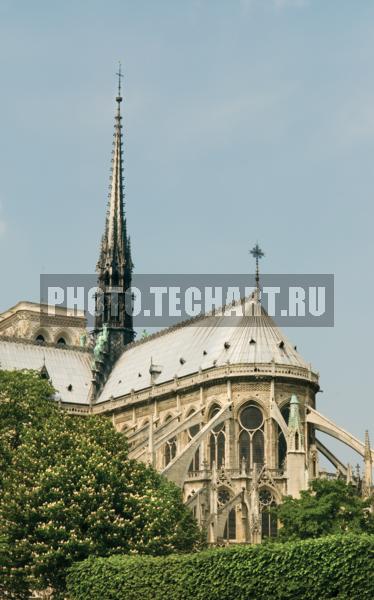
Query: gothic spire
point(115, 247)
point(115, 265)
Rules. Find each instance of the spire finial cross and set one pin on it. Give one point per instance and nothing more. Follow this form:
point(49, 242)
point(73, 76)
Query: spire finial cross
point(257, 253)
point(120, 76)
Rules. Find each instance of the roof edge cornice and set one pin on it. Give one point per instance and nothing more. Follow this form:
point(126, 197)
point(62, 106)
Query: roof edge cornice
point(27, 341)
point(208, 377)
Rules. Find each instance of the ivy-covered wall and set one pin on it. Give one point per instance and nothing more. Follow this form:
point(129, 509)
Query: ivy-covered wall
point(331, 567)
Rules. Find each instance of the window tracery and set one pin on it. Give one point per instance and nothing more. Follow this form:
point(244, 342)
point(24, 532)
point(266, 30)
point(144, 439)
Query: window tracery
point(217, 441)
point(282, 442)
point(230, 527)
point(269, 526)
point(170, 448)
point(251, 436)
point(192, 431)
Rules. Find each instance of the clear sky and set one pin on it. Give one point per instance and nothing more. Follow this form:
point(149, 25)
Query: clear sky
point(244, 120)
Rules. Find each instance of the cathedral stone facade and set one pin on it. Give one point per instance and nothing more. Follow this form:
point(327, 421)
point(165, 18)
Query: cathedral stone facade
point(34, 322)
point(226, 412)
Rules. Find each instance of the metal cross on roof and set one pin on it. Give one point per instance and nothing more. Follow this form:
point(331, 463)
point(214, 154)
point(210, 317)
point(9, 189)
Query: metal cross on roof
point(257, 253)
point(120, 75)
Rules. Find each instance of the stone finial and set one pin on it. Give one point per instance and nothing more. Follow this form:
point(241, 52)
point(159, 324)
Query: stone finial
point(349, 476)
point(295, 428)
point(367, 454)
point(368, 468)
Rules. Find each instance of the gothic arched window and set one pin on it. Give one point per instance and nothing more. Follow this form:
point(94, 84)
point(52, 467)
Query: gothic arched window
point(269, 526)
point(170, 448)
point(258, 447)
point(217, 441)
point(282, 443)
point(192, 431)
point(40, 339)
point(224, 497)
point(229, 532)
point(251, 436)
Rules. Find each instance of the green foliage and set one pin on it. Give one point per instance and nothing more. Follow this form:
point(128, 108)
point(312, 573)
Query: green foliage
point(70, 492)
point(24, 402)
point(328, 507)
point(330, 567)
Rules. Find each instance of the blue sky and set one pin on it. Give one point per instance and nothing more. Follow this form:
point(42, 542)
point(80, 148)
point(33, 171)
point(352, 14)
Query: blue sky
point(244, 120)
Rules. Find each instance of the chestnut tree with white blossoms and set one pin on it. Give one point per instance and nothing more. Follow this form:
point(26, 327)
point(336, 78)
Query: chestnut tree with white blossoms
point(68, 491)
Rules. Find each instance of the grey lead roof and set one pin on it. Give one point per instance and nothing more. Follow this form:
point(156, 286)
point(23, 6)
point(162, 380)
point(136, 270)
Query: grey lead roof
point(178, 351)
point(204, 344)
point(65, 367)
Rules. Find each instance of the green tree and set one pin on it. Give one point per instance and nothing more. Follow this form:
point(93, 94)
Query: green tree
point(71, 492)
point(24, 403)
point(327, 507)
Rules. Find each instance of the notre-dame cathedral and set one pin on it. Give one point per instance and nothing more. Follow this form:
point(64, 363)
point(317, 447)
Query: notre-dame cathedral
point(227, 413)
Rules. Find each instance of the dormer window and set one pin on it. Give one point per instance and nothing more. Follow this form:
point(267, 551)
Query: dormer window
point(61, 341)
point(40, 339)
point(44, 373)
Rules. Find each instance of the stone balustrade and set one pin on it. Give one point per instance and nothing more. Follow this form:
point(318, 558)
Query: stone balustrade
point(169, 388)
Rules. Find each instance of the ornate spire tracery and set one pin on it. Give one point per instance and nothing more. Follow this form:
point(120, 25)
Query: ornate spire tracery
point(115, 264)
point(115, 247)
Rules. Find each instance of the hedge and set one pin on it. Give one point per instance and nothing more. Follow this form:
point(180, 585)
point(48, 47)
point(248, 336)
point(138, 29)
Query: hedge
point(331, 567)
